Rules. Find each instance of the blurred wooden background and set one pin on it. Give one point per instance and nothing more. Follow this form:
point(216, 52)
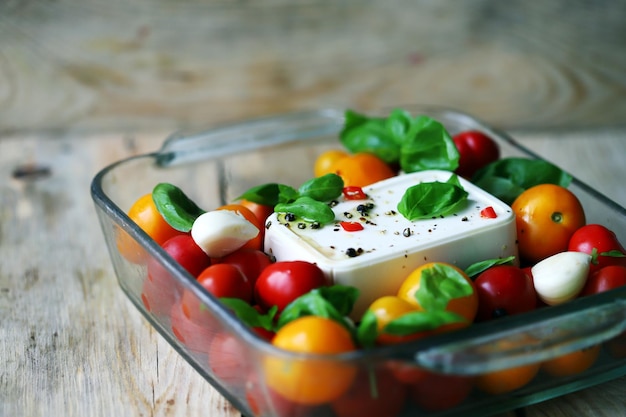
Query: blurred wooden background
point(162, 64)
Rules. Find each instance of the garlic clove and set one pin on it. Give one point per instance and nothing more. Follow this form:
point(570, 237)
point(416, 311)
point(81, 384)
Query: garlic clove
point(561, 277)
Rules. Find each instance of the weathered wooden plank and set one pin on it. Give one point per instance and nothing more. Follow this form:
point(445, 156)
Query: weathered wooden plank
point(70, 341)
point(141, 63)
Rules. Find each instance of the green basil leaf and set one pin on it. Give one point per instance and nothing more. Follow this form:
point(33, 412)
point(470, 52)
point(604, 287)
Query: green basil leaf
point(178, 210)
point(286, 194)
point(431, 199)
point(454, 180)
point(249, 315)
point(420, 321)
point(265, 194)
point(369, 134)
point(308, 209)
point(324, 188)
point(502, 188)
point(507, 178)
point(401, 125)
point(428, 146)
point(439, 285)
point(312, 303)
point(367, 331)
point(341, 297)
point(477, 268)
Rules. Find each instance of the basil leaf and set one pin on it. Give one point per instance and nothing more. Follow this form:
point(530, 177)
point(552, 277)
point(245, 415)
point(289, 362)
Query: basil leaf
point(341, 297)
point(477, 268)
point(265, 194)
point(502, 188)
point(249, 315)
point(401, 125)
point(324, 188)
point(416, 143)
point(286, 194)
point(439, 285)
point(431, 199)
point(507, 178)
point(320, 302)
point(178, 210)
point(367, 331)
point(419, 321)
point(308, 209)
point(368, 134)
point(428, 146)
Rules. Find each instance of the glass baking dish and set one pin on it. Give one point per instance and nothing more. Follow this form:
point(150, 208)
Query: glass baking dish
point(215, 166)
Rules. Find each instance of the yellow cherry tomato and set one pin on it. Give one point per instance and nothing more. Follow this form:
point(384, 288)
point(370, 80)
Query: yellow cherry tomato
point(362, 169)
point(572, 363)
point(546, 216)
point(311, 381)
point(466, 306)
point(325, 161)
point(145, 214)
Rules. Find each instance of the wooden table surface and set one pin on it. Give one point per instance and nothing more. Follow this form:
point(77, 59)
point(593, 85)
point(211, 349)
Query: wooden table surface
point(83, 84)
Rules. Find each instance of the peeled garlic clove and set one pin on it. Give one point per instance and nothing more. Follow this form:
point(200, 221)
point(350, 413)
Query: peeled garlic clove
point(561, 277)
point(221, 232)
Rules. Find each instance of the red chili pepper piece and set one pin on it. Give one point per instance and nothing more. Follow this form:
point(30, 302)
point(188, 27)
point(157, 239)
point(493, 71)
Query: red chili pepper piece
point(488, 212)
point(351, 226)
point(353, 192)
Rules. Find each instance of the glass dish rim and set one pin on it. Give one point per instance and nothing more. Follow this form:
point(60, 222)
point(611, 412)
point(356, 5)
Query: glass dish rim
point(400, 352)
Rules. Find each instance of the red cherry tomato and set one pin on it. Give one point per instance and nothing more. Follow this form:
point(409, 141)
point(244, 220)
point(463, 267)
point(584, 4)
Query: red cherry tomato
point(476, 150)
point(604, 279)
point(225, 280)
point(282, 282)
point(438, 392)
point(159, 290)
point(221, 280)
point(504, 290)
point(194, 336)
point(372, 395)
point(597, 236)
point(186, 252)
point(250, 261)
point(230, 361)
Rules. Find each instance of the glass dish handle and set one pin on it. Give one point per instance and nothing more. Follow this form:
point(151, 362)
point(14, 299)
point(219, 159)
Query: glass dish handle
point(184, 147)
point(531, 344)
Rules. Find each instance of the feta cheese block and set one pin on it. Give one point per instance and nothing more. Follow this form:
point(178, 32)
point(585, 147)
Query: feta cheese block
point(377, 258)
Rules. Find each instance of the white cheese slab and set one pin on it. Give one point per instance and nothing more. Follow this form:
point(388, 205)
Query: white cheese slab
point(389, 247)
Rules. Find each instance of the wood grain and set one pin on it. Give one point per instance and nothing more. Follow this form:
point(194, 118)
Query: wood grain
point(67, 332)
point(160, 64)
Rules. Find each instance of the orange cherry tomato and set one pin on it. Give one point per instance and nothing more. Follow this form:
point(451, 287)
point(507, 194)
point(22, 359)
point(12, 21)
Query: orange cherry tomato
point(546, 215)
point(362, 169)
point(145, 214)
point(388, 308)
point(255, 242)
point(465, 306)
point(506, 380)
point(261, 211)
point(325, 161)
point(311, 380)
point(571, 363)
